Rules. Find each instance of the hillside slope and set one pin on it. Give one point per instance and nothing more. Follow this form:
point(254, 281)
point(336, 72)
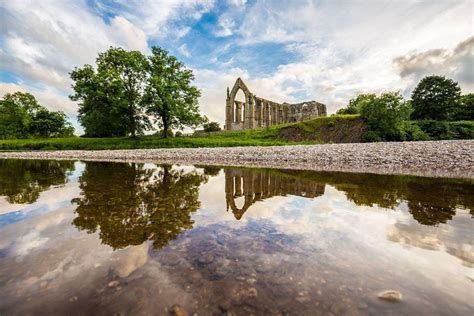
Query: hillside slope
point(331, 129)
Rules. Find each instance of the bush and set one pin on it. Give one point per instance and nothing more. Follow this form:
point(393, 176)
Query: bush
point(160, 133)
point(178, 134)
point(211, 127)
point(385, 115)
point(371, 136)
point(410, 131)
point(436, 130)
point(462, 130)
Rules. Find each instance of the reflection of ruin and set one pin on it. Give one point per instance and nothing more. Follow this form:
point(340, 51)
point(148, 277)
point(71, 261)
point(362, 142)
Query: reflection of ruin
point(259, 185)
point(258, 112)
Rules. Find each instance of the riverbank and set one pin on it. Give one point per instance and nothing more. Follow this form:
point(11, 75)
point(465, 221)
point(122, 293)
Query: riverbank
point(454, 159)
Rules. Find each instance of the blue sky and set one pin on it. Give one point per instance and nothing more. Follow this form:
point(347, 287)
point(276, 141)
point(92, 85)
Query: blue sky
point(327, 51)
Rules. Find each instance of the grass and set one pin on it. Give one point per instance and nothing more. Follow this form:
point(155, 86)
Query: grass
point(258, 137)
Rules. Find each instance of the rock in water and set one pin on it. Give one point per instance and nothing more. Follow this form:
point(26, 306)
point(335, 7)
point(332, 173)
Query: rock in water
point(177, 310)
point(390, 296)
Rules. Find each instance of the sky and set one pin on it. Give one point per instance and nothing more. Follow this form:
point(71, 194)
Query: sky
point(285, 51)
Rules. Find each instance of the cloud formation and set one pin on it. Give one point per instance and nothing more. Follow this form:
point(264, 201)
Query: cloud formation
point(285, 51)
point(457, 64)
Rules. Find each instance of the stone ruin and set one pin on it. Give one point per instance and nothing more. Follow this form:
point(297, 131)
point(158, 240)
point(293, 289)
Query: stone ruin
point(258, 112)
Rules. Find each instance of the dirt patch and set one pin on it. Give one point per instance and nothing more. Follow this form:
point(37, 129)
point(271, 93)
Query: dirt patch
point(336, 131)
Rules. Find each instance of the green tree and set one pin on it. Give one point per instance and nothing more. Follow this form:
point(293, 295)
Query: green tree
point(50, 124)
point(385, 114)
point(100, 111)
point(128, 70)
point(355, 104)
point(464, 110)
point(15, 114)
point(21, 116)
point(170, 97)
point(435, 97)
point(110, 98)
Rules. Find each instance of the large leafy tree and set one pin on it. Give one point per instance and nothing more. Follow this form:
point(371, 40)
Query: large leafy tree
point(355, 104)
point(21, 116)
point(110, 98)
point(170, 97)
point(127, 70)
point(435, 97)
point(15, 114)
point(50, 124)
point(100, 111)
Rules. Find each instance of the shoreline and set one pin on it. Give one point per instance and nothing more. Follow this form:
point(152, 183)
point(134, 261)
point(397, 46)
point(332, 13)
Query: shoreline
point(451, 159)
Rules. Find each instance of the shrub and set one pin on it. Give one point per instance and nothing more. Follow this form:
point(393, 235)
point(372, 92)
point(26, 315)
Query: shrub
point(410, 131)
point(462, 130)
point(436, 130)
point(385, 115)
point(211, 127)
point(371, 136)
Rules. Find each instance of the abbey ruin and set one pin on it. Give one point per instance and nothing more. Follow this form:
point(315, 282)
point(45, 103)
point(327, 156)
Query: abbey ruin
point(258, 112)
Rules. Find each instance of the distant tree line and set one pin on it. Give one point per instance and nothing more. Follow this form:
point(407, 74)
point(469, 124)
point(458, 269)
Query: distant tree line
point(128, 93)
point(21, 116)
point(436, 110)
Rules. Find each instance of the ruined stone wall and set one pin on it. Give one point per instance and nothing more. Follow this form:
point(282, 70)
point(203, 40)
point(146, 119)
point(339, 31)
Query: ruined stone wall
point(257, 112)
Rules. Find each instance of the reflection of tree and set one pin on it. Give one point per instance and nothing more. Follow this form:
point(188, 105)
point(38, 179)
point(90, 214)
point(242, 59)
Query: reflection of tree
point(430, 201)
point(427, 214)
point(22, 181)
point(130, 204)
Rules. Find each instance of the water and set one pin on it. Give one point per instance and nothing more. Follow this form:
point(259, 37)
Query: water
point(128, 239)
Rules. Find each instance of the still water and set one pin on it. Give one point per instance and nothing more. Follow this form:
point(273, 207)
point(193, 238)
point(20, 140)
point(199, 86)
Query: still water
point(135, 239)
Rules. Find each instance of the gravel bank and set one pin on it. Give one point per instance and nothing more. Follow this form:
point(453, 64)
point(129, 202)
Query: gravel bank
point(434, 158)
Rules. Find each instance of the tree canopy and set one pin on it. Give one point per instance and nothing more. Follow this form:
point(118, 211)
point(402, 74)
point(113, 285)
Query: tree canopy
point(385, 114)
point(435, 97)
point(21, 116)
point(127, 92)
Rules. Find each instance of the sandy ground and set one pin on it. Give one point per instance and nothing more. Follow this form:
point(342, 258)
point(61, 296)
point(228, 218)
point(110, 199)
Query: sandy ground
point(454, 159)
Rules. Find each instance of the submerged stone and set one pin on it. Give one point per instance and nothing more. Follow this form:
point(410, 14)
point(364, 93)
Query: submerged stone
point(390, 296)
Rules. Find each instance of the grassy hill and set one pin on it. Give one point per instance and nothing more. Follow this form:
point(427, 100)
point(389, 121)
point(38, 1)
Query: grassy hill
point(335, 129)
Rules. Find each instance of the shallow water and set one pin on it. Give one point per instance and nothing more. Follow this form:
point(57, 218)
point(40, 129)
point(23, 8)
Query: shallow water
point(128, 239)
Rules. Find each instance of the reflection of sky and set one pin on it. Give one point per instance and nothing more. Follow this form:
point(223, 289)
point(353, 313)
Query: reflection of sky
point(40, 249)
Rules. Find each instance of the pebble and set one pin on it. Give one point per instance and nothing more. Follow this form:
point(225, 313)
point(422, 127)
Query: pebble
point(113, 283)
point(206, 258)
point(177, 310)
point(390, 296)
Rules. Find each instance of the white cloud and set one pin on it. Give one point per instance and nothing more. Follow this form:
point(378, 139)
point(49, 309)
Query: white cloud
point(345, 48)
point(154, 17)
point(238, 3)
point(457, 63)
point(225, 27)
point(183, 49)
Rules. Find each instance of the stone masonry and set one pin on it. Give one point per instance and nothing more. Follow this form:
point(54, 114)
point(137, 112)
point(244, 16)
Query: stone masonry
point(258, 112)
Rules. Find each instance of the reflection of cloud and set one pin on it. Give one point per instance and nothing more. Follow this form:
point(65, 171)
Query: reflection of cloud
point(128, 260)
point(455, 239)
